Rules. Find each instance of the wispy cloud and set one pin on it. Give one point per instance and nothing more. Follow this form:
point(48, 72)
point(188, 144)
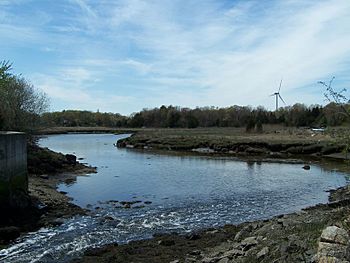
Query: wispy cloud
point(188, 53)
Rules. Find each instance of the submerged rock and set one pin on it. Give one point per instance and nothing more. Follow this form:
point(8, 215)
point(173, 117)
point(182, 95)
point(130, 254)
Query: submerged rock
point(306, 167)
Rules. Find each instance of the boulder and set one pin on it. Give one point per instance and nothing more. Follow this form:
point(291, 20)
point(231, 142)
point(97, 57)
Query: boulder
point(263, 252)
point(306, 167)
point(243, 232)
point(334, 234)
point(71, 159)
point(249, 242)
point(333, 245)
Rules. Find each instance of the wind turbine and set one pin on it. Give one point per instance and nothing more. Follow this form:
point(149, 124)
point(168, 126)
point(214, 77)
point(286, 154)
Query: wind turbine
point(278, 95)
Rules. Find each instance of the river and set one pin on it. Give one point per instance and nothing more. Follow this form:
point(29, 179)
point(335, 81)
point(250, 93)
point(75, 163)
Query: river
point(172, 193)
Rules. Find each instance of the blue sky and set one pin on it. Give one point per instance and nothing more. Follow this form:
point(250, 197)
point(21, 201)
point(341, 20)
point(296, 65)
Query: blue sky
point(126, 55)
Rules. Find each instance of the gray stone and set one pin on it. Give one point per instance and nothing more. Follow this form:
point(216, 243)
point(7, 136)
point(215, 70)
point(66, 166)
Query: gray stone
point(332, 249)
point(327, 259)
point(248, 243)
point(210, 260)
point(224, 260)
point(195, 253)
point(334, 234)
point(234, 253)
point(243, 232)
point(263, 252)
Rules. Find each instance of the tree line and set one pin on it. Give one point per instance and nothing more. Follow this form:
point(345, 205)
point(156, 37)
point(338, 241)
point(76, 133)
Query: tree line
point(298, 115)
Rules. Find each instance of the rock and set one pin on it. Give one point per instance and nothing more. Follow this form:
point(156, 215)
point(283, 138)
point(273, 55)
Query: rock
point(306, 167)
point(56, 222)
point(332, 249)
point(175, 261)
point(210, 260)
point(243, 232)
point(71, 159)
point(234, 253)
point(9, 233)
point(195, 253)
point(224, 260)
point(334, 234)
point(248, 243)
point(327, 259)
point(253, 150)
point(44, 176)
point(147, 202)
point(263, 252)
point(190, 260)
point(166, 242)
point(193, 236)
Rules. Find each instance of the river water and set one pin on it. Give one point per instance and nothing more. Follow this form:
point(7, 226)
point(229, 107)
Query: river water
point(171, 193)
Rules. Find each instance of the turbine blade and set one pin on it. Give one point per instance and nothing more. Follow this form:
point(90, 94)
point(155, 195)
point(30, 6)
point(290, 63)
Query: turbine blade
point(281, 98)
point(272, 95)
point(280, 86)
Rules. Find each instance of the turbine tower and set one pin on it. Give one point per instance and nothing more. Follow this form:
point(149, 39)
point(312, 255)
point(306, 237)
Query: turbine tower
point(278, 95)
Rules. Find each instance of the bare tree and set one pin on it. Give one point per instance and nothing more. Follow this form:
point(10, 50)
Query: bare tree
point(341, 100)
point(336, 96)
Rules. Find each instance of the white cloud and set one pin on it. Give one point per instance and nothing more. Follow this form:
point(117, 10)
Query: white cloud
point(191, 53)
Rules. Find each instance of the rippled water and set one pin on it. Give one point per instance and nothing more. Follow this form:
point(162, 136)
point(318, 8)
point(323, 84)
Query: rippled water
point(186, 193)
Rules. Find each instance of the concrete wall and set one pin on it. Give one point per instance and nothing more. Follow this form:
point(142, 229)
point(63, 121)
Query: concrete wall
point(13, 168)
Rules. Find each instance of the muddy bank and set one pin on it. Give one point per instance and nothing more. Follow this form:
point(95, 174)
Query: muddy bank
point(47, 206)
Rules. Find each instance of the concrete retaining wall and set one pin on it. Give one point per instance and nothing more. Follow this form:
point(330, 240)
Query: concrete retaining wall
point(13, 169)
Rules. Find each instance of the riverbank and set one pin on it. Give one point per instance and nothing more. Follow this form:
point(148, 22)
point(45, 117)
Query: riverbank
point(278, 143)
point(48, 207)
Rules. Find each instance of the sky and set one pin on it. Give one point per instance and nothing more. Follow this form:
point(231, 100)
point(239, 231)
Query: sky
point(126, 55)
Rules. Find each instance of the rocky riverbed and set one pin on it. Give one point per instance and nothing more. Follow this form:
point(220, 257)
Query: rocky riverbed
point(287, 238)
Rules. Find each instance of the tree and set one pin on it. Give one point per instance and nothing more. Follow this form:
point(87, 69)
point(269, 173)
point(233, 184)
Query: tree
point(20, 103)
point(336, 96)
point(339, 99)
